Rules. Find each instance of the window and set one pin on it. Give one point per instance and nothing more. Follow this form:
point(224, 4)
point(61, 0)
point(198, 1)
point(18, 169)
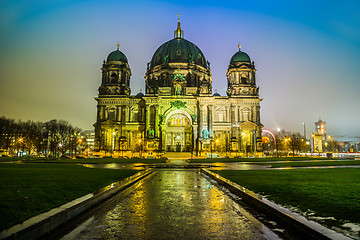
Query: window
point(111, 115)
point(221, 117)
point(178, 120)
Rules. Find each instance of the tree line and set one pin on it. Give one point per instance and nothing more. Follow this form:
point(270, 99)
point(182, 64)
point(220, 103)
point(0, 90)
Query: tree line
point(35, 138)
point(286, 142)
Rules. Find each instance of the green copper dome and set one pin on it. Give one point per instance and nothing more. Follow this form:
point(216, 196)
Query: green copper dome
point(178, 50)
point(240, 57)
point(117, 56)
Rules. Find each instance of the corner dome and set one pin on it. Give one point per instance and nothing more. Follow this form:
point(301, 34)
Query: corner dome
point(178, 50)
point(240, 57)
point(140, 95)
point(117, 56)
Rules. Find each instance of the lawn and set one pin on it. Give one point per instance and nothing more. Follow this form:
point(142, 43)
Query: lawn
point(268, 159)
point(314, 163)
point(326, 192)
point(82, 160)
point(27, 190)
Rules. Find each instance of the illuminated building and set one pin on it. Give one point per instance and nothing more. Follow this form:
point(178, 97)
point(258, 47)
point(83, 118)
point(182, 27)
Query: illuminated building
point(319, 140)
point(320, 127)
point(178, 111)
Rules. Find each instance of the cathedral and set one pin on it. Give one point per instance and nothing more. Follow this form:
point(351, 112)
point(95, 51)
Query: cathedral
point(178, 111)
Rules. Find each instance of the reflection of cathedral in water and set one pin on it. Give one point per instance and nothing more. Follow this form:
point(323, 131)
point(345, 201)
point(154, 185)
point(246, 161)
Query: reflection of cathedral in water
point(178, 111)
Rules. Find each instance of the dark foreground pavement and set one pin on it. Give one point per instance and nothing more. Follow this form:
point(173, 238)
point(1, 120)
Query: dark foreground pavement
point(174, 204)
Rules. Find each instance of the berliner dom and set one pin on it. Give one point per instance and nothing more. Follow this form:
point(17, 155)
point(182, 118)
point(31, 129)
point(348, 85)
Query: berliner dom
point(178, 111)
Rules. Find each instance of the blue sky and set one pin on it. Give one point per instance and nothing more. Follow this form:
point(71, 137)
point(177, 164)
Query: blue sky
point(307, 54)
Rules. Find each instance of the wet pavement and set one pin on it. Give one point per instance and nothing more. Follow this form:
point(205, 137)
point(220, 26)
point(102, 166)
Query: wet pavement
point(212, 166)
point(173, 204)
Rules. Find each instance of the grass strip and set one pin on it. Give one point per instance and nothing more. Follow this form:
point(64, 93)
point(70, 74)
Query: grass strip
point(27, 190)
point(325, 192)
point(313, 163)
point(269, 159)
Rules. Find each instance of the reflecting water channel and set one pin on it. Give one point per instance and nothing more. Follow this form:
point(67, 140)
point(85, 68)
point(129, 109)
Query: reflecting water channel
point(212, 166)
point(173, 204)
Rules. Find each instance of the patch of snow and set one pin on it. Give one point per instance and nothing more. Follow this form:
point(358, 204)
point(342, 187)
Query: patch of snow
point(352, 226)
point(321, 218)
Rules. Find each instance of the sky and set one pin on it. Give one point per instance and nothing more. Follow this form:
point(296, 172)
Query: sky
point(307, 54)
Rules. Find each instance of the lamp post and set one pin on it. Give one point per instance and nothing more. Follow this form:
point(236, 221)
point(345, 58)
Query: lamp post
point(20, 147)
point(113, 144)
point(59, 146)
point(304, 131)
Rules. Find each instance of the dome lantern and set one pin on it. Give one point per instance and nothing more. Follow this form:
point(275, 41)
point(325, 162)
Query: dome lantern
point(178, 33)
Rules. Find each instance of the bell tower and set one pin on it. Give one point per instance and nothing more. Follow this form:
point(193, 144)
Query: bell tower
point(115, 75)
point(241, 76)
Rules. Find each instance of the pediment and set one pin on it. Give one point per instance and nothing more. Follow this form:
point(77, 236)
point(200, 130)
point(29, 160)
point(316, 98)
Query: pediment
point(248, 125)
point(110, 122)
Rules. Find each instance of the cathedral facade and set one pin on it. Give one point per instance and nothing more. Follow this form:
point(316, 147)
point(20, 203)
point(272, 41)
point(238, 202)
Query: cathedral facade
point(178, 112)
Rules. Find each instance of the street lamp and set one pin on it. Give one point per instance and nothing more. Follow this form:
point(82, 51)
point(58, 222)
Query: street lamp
point(20, 143)
point(113, 141)
point(59, 146)
point(304, 131)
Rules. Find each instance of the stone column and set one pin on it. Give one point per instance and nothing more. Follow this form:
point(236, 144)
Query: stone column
point(201, 121)
point(98, 117)
point(129, 114)
point(232, 117)
point(102, 112)
point(157, 116)
point(118, 113)
point(147, 119)
point(210, 118)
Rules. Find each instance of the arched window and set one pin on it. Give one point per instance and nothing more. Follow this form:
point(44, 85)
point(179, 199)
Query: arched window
point(113, 77)
point(245, 115)
point(134, 114)
point(111, 114)
point(178, 120)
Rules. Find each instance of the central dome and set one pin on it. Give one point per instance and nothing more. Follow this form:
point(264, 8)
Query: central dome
point(178, 50)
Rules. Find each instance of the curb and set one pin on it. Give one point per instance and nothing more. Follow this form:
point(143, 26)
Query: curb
point(44, 223)
point(293, 221)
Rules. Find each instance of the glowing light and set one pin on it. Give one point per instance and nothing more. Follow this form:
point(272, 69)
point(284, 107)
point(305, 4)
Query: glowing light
point(271, 133)
point(265, 140)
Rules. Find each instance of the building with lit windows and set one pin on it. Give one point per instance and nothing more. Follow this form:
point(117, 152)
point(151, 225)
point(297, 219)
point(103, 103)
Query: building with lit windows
point(178, 111)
